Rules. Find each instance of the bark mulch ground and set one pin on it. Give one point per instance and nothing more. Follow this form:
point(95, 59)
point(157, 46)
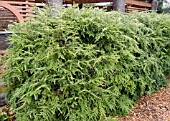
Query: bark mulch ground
point(154, 107)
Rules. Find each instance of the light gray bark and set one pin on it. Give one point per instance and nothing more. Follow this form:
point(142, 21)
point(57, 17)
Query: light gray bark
point(54, 3)
point(154, 5)
point(119, 5)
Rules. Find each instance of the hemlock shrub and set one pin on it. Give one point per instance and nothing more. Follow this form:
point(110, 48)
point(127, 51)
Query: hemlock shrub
point(85, 65)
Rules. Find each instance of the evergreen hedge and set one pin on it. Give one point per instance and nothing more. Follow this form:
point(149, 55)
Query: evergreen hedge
point(85, 65)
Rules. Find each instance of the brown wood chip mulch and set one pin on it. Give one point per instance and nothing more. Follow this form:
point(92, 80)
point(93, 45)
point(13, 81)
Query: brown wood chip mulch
point(154, 107)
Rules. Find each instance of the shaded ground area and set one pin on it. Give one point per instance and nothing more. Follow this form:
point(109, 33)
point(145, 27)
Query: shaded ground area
point(155, 107)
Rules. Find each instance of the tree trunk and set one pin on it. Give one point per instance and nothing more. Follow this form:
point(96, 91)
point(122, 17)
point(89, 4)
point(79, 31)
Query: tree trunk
point(154, 5)
point(119, 5)
point(54, 3)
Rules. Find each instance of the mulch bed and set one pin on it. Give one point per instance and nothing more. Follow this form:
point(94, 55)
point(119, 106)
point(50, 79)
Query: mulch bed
point(154, 107)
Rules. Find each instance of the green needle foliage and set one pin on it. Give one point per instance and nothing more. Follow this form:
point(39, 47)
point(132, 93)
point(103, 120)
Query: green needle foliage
point(85, 65)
